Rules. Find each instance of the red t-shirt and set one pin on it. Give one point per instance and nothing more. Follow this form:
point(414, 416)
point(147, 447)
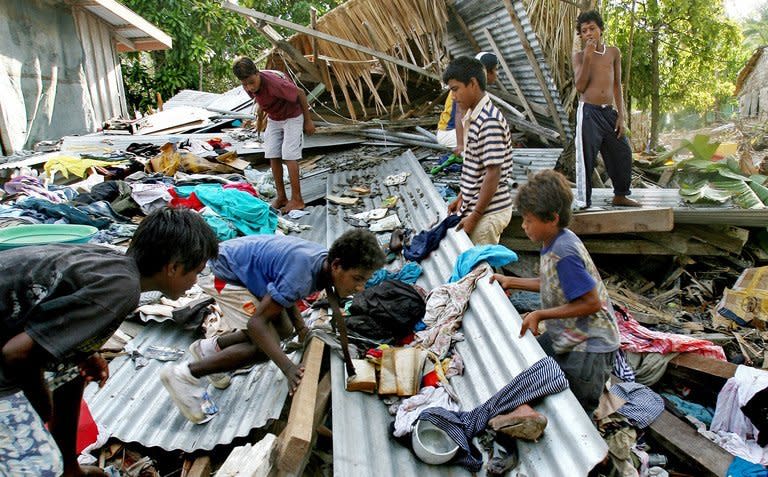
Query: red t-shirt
point(277, 96)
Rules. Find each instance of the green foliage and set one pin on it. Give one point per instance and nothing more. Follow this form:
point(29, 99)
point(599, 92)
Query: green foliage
point(700, 51)
point(206, 39)
point(755, 29)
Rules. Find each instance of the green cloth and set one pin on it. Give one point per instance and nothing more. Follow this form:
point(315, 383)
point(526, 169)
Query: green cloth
point(248, 214)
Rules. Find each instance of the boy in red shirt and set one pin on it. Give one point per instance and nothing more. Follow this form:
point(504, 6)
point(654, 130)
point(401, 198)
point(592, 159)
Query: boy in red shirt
point(287, 109)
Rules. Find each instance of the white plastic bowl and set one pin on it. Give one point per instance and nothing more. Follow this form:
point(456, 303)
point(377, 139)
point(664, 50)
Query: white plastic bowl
point(431, 444)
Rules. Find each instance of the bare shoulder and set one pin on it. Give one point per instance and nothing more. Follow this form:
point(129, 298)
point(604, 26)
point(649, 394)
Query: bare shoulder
point(614, 51)
point(577, 57)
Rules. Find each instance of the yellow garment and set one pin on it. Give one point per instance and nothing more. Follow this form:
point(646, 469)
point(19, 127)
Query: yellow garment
point(445, 116)
point(75, 165)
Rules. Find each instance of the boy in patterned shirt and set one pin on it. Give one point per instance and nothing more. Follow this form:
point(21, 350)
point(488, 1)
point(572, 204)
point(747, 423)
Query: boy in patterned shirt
point(581, 331)
point(484, 202)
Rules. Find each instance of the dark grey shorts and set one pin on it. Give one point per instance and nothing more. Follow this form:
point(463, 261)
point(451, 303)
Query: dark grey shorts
point(586, 372)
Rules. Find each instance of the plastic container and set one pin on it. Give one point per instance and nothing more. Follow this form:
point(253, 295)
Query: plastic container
point(44, 234)
point(431, 444)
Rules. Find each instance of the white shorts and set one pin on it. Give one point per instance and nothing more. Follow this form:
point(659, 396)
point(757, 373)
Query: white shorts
point(447, 138)
point(284, 139)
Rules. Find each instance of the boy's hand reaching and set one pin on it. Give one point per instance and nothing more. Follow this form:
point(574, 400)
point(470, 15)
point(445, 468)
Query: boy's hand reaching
point(294, 374)
point(469, 223)
point(94, 368)
point(530, 322)
point(504, 281)
point(455, 206)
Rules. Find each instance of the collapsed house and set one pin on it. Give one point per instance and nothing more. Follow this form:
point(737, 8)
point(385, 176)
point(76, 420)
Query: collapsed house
point(751, 89)
point(370, 80)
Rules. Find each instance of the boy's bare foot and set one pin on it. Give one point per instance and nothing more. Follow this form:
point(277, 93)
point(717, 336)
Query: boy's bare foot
point(279, 203)
point(522, 423)
point(623, 201)
point(292, 205)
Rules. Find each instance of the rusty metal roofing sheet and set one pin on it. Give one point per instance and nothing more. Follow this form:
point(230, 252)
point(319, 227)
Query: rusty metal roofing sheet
point(492, 352)
point(134, 406)
point(479, 15)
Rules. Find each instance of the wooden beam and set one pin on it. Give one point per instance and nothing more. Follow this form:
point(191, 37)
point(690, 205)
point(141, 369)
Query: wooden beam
point(702, 365)
point(622, 247)
point(706, 457)
point(295, 440)
point(321, 409)
point(510, 76)
point(279, 42)
point(645, 219)
point(120, 39)
point(128, 16)
point(250, 460)
point(201, 467)
point(535, 66)
point(324, 36)
point(313, 24)
point(525, 125)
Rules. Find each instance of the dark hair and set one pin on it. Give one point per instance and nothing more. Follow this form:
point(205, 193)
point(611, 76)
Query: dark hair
point(590, 16)
point(489, 60)
point(463, 69)
point(546, 194)
point(172, 235)
point(243, 67)
point(357, 249)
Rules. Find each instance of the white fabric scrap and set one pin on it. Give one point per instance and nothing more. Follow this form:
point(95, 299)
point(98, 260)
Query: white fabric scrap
point(409, 410)
point(396, 179)
point(150, 196)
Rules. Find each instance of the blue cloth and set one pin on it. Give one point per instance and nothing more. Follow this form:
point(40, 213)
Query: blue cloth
point(28, 448)
point(285, 267)
point(621, 368)
point(495, 255)
point(542, 379)
point(248, 214)
point(643, 405)
point(743, 468)
point(410, 272)
point(223, 228)
point(426, 241)
point(685, 407)
point(54, 212)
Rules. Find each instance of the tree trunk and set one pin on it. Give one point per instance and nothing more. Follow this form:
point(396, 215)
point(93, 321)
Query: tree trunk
point(628, 69)
point(653, 10)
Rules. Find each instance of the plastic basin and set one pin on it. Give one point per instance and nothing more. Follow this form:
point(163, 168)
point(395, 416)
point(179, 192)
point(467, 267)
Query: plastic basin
point(43, 234)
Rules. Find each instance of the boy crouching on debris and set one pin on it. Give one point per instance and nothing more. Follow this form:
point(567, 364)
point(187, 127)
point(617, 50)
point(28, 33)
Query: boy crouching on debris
point(484, 201)
point(60, 304)
point(276, 271)
point(581, 331)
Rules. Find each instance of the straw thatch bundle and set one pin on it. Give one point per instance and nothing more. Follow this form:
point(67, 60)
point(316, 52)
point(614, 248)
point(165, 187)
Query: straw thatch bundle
point(410, 30)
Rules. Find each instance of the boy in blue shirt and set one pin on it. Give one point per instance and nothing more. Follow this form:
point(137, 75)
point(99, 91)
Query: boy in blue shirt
point(275, 272)
point(581, 331)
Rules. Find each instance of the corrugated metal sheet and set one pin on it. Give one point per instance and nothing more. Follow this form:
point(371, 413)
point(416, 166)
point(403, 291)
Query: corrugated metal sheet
point(101, 66)
point(233, 100)
point(317, 220)
point(530, 161)
point(492, 352)
point(479, 15)
point(134, 406)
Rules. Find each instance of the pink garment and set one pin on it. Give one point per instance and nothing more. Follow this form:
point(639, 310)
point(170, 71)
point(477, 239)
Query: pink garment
point(242, 186)
point(639, 339)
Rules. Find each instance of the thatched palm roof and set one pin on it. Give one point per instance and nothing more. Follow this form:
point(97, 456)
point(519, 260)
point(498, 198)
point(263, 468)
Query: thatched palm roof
point(748, 68)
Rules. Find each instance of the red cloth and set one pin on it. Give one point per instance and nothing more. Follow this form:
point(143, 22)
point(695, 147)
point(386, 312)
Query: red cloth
point(639, 339)
point(219, 284)
point(277, 96)
point(191, 202)
point(243, 186)
point(87, 432)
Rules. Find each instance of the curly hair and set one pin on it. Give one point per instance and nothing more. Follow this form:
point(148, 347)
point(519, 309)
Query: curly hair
point(243, 67)
point(172, 235)
point(357, 249)
point(546, 194)
point(590, 16)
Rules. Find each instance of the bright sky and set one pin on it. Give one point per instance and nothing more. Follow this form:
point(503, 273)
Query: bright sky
point(739, 9)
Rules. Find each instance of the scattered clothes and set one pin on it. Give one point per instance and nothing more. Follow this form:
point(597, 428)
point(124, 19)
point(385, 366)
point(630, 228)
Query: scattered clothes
point(32, 187)
point(55, 212)
point(495, 255)
point(687, 408)
point(114, 234)
point(756, 410)
point(145, 149)
point(525, 301)
point(190, 202)
point(621, 437)
point(409, 410)
point(643, 405)
point(621, 368)
point(448, 163)
point(386, 312)
point(639, 339)
point(542, 379)
point(742, 468)
point(150, 197)
point(738, 446)
point(117, 193)
point(426, 241)
point(76, 165)
point(244, 187)
point(223, 228)
point(297, 214)
point(410, 272)
point(445, 307)
point(248, 214)
point(736, 395)
point(103, 209)
point(649, 368)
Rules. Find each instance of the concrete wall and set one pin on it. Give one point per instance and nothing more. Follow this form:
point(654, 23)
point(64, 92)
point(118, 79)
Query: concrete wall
point(753, 98)
point(59, 74)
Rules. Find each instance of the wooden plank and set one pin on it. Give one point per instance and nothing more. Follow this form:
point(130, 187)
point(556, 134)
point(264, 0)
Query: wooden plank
point(278, 41)
point(249, 460)
point(321, 409)
point(697, 363)
point(365, 377)
point(619, 247)
point(646, 219)
point(409, 362)
point(731, 239)
point(229, 5)
point(678, 437)
point(387, 378)
point(295, 440)
point(201, 467)
point(535, 66)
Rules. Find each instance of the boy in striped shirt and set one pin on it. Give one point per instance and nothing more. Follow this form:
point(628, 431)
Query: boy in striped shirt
point(484, 202)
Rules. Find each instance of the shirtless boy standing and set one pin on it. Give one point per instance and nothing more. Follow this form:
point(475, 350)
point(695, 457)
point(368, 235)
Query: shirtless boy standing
point(600, 127)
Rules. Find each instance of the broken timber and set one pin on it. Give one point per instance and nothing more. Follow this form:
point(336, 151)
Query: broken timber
point(278, 41)
point(646, 219)
point(296, 438)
